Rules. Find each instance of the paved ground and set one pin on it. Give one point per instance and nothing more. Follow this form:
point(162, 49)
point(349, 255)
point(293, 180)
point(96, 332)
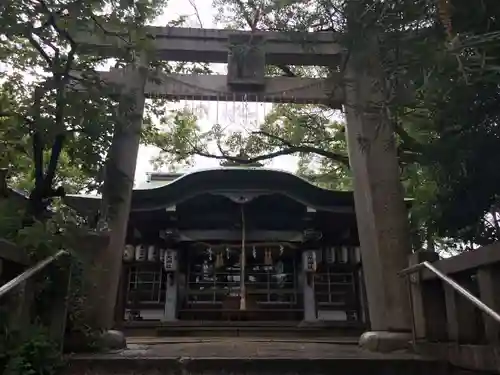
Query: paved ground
point(154, 340)
point(247, 356)
point(237, 347)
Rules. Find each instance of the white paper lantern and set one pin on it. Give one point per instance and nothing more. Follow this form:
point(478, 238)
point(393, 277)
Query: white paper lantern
point(344, 254)
point(170, 260)
point(357, 254)
point(140, 253)
point(152, 253)
point(330, 255)
point(309, 261)
point(128, 253)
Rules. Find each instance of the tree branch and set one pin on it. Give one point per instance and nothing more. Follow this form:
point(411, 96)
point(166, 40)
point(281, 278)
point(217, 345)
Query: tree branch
point(61, 76)
point(196, 12)
point(288, 150)
point(40, 50)
point(283, 152)
point(37, 141)
point(408, 141)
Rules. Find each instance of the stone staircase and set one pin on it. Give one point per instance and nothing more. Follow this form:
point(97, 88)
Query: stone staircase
point(155, 356)
point(262, 329)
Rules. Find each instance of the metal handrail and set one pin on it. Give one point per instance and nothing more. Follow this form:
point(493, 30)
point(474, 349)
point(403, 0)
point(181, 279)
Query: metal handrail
point(460, 289)
point(4, 289)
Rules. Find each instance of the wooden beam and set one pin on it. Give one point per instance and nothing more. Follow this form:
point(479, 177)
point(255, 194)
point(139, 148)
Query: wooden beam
point(461, 314)
point(232, 235)
point(488, 255)
point(215, 88)
point(428, 302)
point(211, 45)
point(13, 253)
point(488, 280)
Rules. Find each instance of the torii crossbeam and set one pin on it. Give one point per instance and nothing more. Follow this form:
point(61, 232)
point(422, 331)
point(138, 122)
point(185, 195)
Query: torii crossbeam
point(212, 45)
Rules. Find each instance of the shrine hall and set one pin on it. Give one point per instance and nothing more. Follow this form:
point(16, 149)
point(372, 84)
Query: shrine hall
point(239, 244)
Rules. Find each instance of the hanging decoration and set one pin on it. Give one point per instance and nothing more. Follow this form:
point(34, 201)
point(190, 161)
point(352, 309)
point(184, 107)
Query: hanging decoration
point(243, 294)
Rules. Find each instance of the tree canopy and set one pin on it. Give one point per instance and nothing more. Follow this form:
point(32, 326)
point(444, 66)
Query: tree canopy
point(440, 63)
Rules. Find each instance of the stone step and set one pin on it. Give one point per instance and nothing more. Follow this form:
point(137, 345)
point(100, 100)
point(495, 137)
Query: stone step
point(223, 323)
point(254, 332)
point(250, 356)
point(254, 366)
point(148, 340)
point(242, 329)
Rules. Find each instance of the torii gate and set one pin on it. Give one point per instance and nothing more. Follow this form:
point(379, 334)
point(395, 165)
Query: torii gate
point(381, 212)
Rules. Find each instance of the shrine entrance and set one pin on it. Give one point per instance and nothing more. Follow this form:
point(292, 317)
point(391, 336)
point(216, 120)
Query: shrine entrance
point(215, 286)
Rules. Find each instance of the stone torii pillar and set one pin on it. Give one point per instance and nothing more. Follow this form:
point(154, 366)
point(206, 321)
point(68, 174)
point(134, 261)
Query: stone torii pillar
point(118, 185)
point(379, 198)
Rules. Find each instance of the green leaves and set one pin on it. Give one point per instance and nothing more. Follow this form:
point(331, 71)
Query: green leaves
point(176, 133)
point(50, 88)
point(37, 355)
point(447, 130)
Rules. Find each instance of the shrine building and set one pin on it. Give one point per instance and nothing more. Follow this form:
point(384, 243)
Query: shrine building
point(239, 244)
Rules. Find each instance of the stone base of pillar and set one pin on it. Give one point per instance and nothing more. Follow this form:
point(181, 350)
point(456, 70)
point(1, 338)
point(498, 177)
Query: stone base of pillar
point(113, 340)
point(310, 323)
point(169, 319)
point(385, 342)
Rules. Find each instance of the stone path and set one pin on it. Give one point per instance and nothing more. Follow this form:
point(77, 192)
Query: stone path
point(247, 356)
point(154, 340)
point(237, 347)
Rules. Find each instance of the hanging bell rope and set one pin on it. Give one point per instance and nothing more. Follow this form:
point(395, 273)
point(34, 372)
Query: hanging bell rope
point(268, 257)
point(219, 260)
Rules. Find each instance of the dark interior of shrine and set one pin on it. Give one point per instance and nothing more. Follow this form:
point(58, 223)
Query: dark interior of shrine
point(207, 231)
point(274, 212)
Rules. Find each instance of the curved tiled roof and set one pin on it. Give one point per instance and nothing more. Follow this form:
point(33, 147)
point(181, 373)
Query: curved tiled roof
point(233, 179)
point(228, 180)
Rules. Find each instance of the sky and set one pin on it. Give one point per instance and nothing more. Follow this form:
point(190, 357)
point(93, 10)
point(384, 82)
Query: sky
point(231, 116)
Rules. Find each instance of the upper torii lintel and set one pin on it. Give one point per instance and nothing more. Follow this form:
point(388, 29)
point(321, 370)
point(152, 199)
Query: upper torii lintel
point(212, 45)
point(215, 88)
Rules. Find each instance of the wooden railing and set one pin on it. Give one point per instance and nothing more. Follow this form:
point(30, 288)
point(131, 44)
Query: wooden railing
point(455, 304)
point(17, 287)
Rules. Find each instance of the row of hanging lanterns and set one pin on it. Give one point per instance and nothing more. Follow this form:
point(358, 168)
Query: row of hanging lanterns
point(143, 253)
point(151, 253)
point(330, 255)
point(342, 255)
